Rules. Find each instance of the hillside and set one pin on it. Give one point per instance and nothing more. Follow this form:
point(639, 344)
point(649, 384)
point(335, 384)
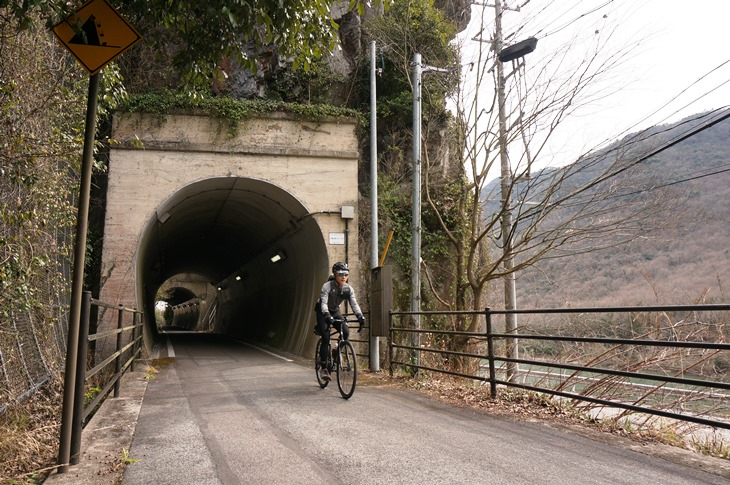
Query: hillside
point(688, 261)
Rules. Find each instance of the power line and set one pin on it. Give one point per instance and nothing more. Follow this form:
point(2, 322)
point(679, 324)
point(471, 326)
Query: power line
point(679, 94)
point(571, 22)
point(668, 184)
point(643, 158)
point(636, 140)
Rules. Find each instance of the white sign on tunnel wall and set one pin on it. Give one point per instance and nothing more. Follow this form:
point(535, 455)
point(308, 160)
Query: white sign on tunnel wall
point(337, 238)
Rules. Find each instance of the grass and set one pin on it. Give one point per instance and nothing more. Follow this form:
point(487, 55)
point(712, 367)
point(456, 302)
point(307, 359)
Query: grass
point(522, 404)
point(151, 373)
point(126, 459)
point(712, 445)
point(29, 437)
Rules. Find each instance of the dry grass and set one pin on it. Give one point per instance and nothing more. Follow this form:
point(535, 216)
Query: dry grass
point(29, 437)
point(527, 405)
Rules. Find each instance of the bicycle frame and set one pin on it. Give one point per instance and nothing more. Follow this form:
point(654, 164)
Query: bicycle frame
point(344, 364)
point(332, 364)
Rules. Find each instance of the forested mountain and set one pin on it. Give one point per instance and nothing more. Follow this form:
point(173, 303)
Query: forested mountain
point(686, 261)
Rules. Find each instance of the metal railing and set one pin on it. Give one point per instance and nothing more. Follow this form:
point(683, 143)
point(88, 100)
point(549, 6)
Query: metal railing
point(107, 378)
point(678, 369)
point(360, 341)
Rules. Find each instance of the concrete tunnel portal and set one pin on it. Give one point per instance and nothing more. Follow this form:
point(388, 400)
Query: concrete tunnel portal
point(194, 205)
point(256, 245)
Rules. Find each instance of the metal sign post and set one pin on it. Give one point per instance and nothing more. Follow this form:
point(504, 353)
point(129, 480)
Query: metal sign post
point(95, 35)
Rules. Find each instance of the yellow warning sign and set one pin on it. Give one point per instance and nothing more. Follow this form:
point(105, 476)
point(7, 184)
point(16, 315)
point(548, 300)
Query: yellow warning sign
point(96, 34)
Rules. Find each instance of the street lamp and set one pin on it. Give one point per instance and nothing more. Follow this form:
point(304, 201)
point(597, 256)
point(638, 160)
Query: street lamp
point(515, 51)
point(418, 69)
point(507, 54)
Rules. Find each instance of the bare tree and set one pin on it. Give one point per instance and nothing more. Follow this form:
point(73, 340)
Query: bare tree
point(595, 202)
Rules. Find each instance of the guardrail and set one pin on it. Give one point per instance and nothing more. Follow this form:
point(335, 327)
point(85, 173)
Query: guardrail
point(682, 378)
point(122, 358)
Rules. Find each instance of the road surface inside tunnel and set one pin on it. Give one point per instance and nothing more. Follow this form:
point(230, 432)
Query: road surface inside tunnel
point(222, 412)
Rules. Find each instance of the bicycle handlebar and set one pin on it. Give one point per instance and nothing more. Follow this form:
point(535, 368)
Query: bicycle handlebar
point(331, 326)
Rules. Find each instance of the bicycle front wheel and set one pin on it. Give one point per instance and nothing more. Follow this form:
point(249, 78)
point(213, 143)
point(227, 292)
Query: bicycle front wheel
point(347, 369)
point(318, 365)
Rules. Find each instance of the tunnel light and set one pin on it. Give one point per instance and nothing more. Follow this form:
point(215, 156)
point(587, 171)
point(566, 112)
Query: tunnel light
point(279, 256)
point(238, 277)
point(163, 217)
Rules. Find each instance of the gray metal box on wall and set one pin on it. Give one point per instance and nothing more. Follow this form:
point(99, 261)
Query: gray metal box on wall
point(381, 300)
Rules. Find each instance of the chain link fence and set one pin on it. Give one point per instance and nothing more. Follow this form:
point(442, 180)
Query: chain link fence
point(33, 337)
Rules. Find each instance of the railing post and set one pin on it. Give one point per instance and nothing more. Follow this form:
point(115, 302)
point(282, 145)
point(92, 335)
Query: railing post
point(390, 341)
point(80, 384)
point(140, 321)
point(490, 354)
point(118, 360)
point(134, 340)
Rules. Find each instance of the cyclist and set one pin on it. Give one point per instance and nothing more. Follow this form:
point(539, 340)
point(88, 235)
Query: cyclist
point(333, 293)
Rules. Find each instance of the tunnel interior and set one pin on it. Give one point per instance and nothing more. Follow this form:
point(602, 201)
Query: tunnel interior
point(253, 245)
point(179, 295)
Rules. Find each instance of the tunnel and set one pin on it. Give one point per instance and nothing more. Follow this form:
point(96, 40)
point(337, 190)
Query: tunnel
point(255, 247)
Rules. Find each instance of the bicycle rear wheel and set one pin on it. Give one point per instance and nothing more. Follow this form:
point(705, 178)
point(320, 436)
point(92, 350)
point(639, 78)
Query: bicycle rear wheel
point(347, 369)
point(318, 365)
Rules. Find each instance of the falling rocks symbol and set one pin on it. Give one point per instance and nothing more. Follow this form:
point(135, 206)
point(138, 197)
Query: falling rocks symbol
point(96, 34)
point(90, 34)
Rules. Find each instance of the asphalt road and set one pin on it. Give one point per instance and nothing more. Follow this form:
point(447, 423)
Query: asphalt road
point(234, 414)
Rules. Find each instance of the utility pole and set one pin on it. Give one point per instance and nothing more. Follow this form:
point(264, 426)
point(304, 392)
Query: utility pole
point(510, 290)
point(503, 55)
point(374, 357)
point(416, 206)
point(418, 70)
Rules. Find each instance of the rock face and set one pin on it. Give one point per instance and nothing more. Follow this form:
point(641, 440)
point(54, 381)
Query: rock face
point(458, 11)
point(342, 62)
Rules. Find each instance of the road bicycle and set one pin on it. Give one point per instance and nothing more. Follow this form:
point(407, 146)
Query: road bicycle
point(341, 360)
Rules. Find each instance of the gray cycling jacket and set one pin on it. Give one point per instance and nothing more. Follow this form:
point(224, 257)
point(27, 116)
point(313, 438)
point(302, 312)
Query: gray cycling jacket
point(332, 295)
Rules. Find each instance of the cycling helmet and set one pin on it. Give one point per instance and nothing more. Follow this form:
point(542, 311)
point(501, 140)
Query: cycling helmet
point(340, 267)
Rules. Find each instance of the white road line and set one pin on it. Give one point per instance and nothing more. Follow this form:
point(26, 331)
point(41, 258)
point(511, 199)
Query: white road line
point(265, 351)
point(170, 350)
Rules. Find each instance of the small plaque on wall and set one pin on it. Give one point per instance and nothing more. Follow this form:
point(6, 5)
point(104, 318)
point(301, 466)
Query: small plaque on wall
point(337, 238)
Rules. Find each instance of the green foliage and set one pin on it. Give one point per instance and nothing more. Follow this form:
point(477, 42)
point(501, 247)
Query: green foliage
point(41, 102)
point(395, 208)
point(409, 27)
point(219, 29)
point(90, 394)
point(233, 110)
point(200, 35)
point(25, 14)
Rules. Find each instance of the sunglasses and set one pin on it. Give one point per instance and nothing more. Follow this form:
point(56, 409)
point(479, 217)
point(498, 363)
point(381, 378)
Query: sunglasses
point(342, 273)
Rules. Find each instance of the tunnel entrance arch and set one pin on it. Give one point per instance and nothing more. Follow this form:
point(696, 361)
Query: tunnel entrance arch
point(185, 197)
point(225, 231)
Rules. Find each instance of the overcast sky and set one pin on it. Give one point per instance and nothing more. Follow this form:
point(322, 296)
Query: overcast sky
point(678, 63)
